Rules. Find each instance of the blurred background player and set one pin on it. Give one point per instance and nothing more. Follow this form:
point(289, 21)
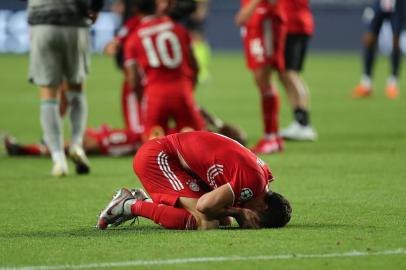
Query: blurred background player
point(395, 12)
point(60, 48)
point(264, 34)
point(158, 57)
point(300, 27)
point(129, 102)
point(195, 23)
point(178, 10)
point(103, 140)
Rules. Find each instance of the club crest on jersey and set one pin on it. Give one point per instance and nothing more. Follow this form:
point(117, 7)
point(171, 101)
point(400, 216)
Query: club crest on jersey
point(246, 194)
point(193, 185)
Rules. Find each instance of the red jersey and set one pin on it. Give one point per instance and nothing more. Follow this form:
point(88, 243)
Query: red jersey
point(266, 9)
point(299, 17)
point(161, 49)
point(218, 160)
point(126, 29)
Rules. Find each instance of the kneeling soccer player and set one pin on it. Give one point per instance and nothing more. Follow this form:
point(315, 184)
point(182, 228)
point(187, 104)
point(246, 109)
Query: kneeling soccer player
point(197, 180)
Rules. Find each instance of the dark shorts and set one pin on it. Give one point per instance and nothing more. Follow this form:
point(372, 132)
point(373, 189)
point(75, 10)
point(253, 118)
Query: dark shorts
point(395, 19)
point(295, 51)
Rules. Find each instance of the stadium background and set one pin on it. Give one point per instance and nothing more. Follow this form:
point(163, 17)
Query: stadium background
point(347, 189)
point(339, 25)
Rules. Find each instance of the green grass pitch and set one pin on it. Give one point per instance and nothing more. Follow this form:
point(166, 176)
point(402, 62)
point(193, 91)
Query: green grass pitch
point(348, 190)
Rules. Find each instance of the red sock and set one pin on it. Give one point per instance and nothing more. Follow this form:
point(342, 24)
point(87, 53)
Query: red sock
point(32, 150)
point(168, 217)
point(270, 112)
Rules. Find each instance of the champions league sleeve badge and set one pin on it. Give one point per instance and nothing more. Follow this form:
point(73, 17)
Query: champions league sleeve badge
point(246, 194)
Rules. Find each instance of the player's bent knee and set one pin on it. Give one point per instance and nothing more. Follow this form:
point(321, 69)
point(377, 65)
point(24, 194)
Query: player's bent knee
point(77, 87)
point(186, 129)
point(156, 132)
point(369, 39)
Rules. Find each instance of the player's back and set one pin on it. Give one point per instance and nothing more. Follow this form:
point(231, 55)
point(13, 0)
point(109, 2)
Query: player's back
point(203, 151)
point(162, 50)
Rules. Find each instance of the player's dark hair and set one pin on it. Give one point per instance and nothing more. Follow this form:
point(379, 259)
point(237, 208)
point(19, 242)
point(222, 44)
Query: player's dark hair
point(278, 212)
point(146, 7)
point(182, 9)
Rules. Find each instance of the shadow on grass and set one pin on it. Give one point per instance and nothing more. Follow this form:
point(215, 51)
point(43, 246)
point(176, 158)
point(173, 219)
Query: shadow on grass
point(86, 232)
point(89, 232)
point(328, 226)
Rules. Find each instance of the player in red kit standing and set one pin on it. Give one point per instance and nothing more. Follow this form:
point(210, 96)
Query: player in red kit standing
point(157, 55)
point(300, 27)
point(264, 34)
point(130, 103)
point(197, 180)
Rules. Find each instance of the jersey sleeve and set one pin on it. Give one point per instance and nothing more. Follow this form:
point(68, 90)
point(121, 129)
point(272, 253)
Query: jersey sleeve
point(130, 50)
point(247, 185)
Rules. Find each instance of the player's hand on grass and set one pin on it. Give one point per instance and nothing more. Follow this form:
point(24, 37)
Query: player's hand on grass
point(248, 219)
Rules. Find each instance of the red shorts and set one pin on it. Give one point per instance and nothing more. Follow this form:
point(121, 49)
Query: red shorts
point(265, 46)
point(158, 168)
point(174, 102)
point(115, 142)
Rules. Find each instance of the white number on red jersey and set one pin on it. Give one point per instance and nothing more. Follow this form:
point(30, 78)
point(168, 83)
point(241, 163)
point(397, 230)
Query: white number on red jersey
point(159, 55)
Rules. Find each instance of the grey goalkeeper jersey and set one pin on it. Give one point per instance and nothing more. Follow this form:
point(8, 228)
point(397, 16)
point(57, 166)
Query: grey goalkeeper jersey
point(61, 12)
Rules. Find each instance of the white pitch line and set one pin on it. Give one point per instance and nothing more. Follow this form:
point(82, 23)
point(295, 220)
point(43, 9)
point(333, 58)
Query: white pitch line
point(400, 251)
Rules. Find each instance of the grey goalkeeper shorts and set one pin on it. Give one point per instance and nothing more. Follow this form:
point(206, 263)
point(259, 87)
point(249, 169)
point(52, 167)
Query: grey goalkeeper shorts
point(59, 53)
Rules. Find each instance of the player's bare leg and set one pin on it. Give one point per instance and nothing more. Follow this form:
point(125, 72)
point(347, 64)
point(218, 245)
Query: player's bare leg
point(271, 142)
point(78, 117)
point(299, 98)
point(51, 124)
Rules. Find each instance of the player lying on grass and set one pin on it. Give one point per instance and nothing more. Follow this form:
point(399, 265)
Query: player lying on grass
point(196, 180)
point(105, 140)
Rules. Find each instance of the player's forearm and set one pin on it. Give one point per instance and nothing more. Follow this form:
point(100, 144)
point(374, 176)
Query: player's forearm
point(133, 80)
point(246, 12)
point(221, 213)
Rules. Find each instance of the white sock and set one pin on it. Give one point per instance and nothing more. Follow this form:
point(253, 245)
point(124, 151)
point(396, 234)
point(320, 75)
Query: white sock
point(59, 156)
point(52, 128)
point(366, 81)
point(78, 116)
point(392, 81)
point(270, 136)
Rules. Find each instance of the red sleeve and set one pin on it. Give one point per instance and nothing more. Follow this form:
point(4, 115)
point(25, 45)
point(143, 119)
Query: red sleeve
point(122, 33)
point(130, 51)
point(184, 35)
point(127, 28)
point(278, 10)
point(247, 185)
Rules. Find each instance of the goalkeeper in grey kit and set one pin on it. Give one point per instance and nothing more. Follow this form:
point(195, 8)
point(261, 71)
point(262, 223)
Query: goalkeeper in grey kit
point(60, 46)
